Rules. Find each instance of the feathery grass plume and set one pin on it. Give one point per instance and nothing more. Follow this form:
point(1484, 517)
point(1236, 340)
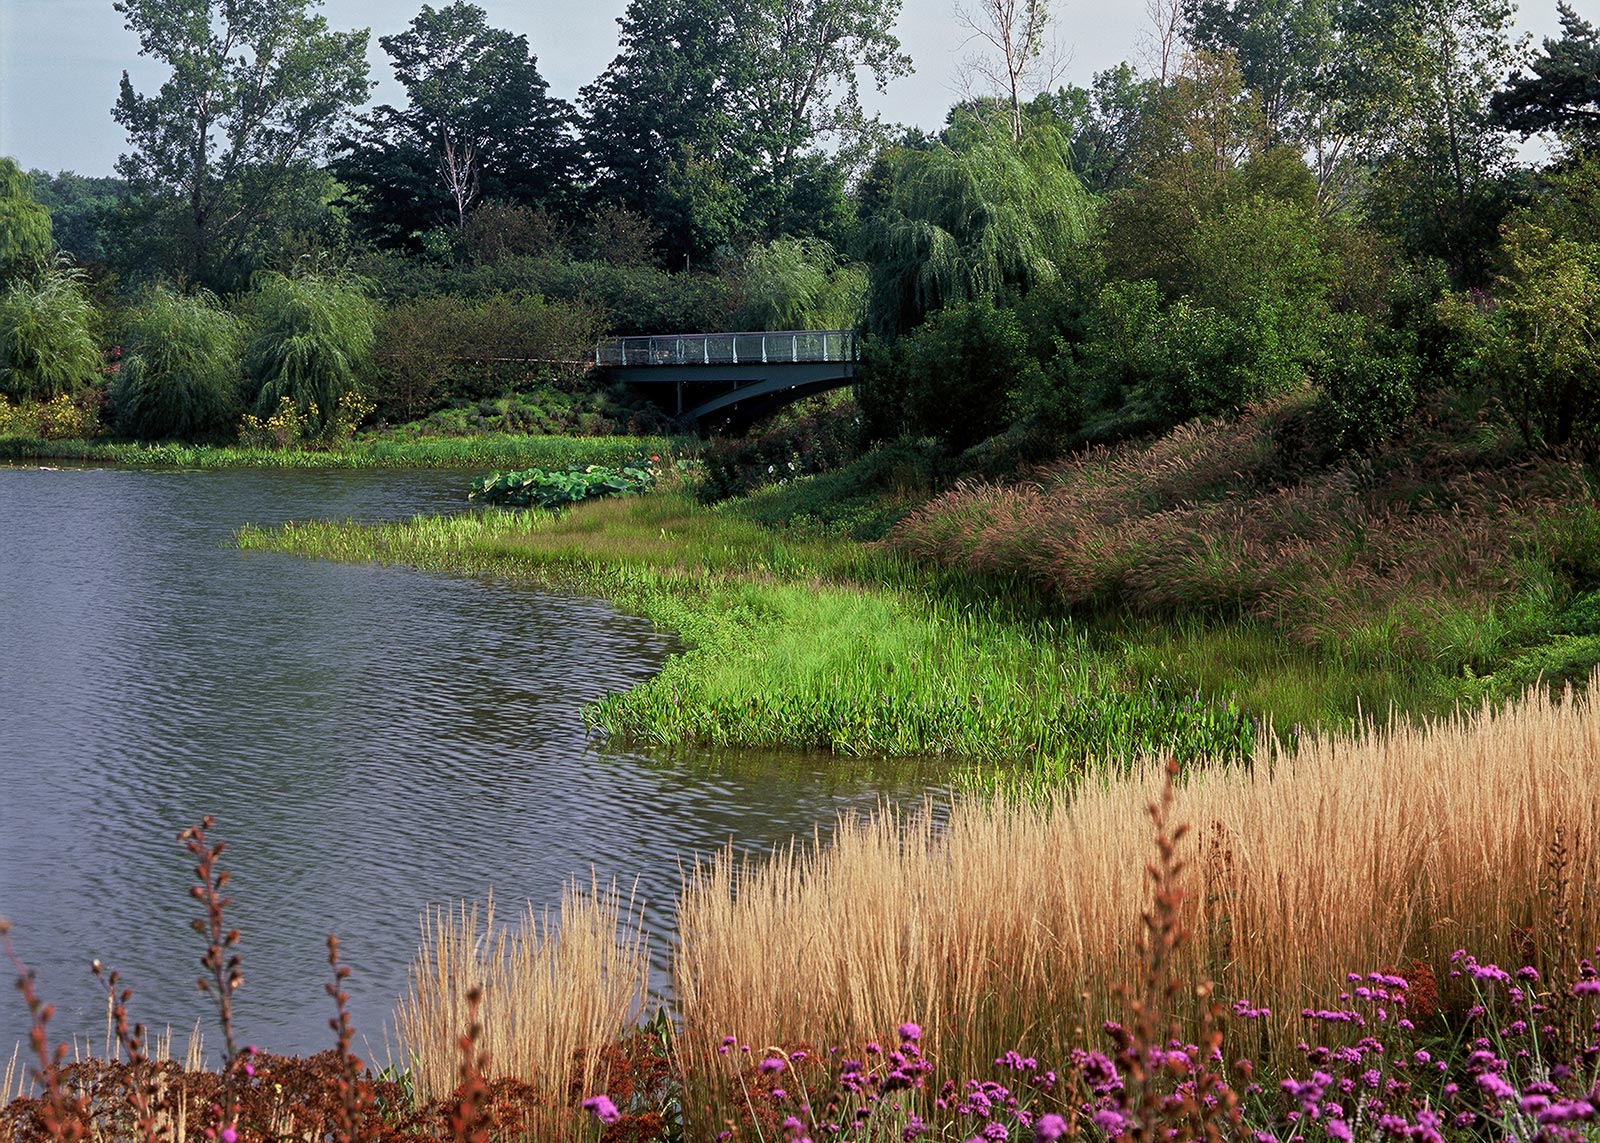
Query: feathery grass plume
point(48, 336)
point(1018, 924)
point(554, 994)
point(180, 377)
point(314, 337)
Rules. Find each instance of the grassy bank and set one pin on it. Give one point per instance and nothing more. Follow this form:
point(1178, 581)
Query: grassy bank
point(805, 642)
point(492, 450)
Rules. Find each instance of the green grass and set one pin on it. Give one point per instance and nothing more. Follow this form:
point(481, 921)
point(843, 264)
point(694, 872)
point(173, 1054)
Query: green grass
point(487, 451)
point(801, 642)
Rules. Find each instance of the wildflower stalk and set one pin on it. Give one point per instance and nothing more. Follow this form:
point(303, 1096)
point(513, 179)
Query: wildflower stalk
point(63, 1116)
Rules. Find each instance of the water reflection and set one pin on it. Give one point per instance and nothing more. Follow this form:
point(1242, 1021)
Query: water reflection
point(373, 741)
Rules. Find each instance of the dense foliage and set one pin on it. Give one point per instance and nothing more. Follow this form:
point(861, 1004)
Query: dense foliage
point(180, 373)
point(1288, 193)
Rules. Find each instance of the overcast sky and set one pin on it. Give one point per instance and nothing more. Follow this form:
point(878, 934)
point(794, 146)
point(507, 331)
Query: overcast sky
point(60, 60)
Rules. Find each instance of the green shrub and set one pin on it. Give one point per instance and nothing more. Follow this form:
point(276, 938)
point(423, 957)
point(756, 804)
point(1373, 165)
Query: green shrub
point(48, 343)
point(313, 343)
point(953, 378)
point(180, 375)
point(816, 436)
point(1540, 342)
point(1368, 391)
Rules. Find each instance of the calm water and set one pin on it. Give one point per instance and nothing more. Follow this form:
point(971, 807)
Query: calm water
point(372, 742)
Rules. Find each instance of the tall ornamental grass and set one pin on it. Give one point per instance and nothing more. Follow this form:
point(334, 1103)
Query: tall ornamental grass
point(48, 339)
point(1016, 925)
point(552, 996)
point(314, 337)
point(180, 377)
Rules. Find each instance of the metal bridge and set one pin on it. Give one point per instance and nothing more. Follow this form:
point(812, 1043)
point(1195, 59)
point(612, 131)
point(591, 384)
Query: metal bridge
point(732, 377)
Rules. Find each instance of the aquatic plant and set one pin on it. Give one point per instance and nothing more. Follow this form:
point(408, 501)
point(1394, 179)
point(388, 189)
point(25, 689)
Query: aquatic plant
point(555, 488)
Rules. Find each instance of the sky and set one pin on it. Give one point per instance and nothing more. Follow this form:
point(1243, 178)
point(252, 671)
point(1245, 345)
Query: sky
point(61, 60)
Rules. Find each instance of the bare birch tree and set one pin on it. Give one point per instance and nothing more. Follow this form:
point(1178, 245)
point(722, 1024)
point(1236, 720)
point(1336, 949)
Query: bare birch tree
point(1023, 56)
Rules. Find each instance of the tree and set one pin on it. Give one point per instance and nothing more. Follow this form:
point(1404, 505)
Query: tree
point(1418, 76)
point(1021, 58)
point(180, 377)
point(479, 124)
point(1563, 93)
point(734, 94)
point(257, 91)
point(1285, 50)
point(25, 232)
point(1541, 342)
point(314, 339)
point(80, 208)
point(958, 223)
point(48, 343)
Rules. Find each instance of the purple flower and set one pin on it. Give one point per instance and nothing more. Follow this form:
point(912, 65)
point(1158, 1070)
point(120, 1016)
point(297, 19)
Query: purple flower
point(1111, 1122)
point(604, 1110)
point(910, 1032)
point(1495, 1087)
point(1586, 988)
point(771, 1065)
point(229, 1135)
point(1049, 1128)
point(1338, 1129)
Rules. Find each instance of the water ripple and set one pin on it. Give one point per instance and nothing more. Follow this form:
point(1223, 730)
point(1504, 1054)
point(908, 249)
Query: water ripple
point(373, 741)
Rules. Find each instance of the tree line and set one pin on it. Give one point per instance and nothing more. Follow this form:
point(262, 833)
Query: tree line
point(1283, 190)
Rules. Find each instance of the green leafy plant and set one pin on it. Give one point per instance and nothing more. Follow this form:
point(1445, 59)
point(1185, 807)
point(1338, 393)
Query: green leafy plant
point(557, 488)
point(313, 343)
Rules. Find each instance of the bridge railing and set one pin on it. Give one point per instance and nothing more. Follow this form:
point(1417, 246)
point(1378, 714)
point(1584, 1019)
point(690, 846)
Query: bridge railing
point(790, 346)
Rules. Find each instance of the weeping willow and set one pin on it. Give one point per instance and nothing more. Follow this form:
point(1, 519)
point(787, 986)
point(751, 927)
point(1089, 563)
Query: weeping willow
point(961, 222)
point(314, 339)
point(799, 283)
point(48, 343)
point(180, 375)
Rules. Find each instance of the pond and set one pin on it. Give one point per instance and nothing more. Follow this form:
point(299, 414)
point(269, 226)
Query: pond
point(372, 742)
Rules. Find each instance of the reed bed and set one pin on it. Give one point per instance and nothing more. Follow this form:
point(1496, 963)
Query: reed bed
point(553, 996)
point(1017, 925)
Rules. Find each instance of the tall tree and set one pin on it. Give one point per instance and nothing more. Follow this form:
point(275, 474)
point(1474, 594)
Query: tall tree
point(740, 94)
point(1016, 57)
point(1563, 93)
point(479, 124)
point(1418, 76)
point(1284, 48)
point(958, 223)
point(256, 92)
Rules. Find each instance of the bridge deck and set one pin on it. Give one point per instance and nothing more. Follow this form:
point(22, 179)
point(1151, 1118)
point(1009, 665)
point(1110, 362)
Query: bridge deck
point(732, 374)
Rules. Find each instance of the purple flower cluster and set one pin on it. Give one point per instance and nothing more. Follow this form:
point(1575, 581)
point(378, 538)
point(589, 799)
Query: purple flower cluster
point(1518, 1072)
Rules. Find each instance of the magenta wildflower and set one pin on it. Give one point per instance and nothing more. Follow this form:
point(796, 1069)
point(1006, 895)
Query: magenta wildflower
point(910, 1033)
point(229, 1135)
point(771, 1065)
point(1111, 1122)
point(1338, 1129)
point(1495, 1087)
point(1049, 1128)
point(1586, 988)
point(602, 1107)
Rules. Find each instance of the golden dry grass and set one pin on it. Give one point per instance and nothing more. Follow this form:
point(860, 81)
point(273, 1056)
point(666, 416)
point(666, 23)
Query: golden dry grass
point(1013, 926)
point(553, 994)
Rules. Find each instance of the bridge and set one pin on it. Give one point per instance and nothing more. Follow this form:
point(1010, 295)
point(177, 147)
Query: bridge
point(732, 377)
